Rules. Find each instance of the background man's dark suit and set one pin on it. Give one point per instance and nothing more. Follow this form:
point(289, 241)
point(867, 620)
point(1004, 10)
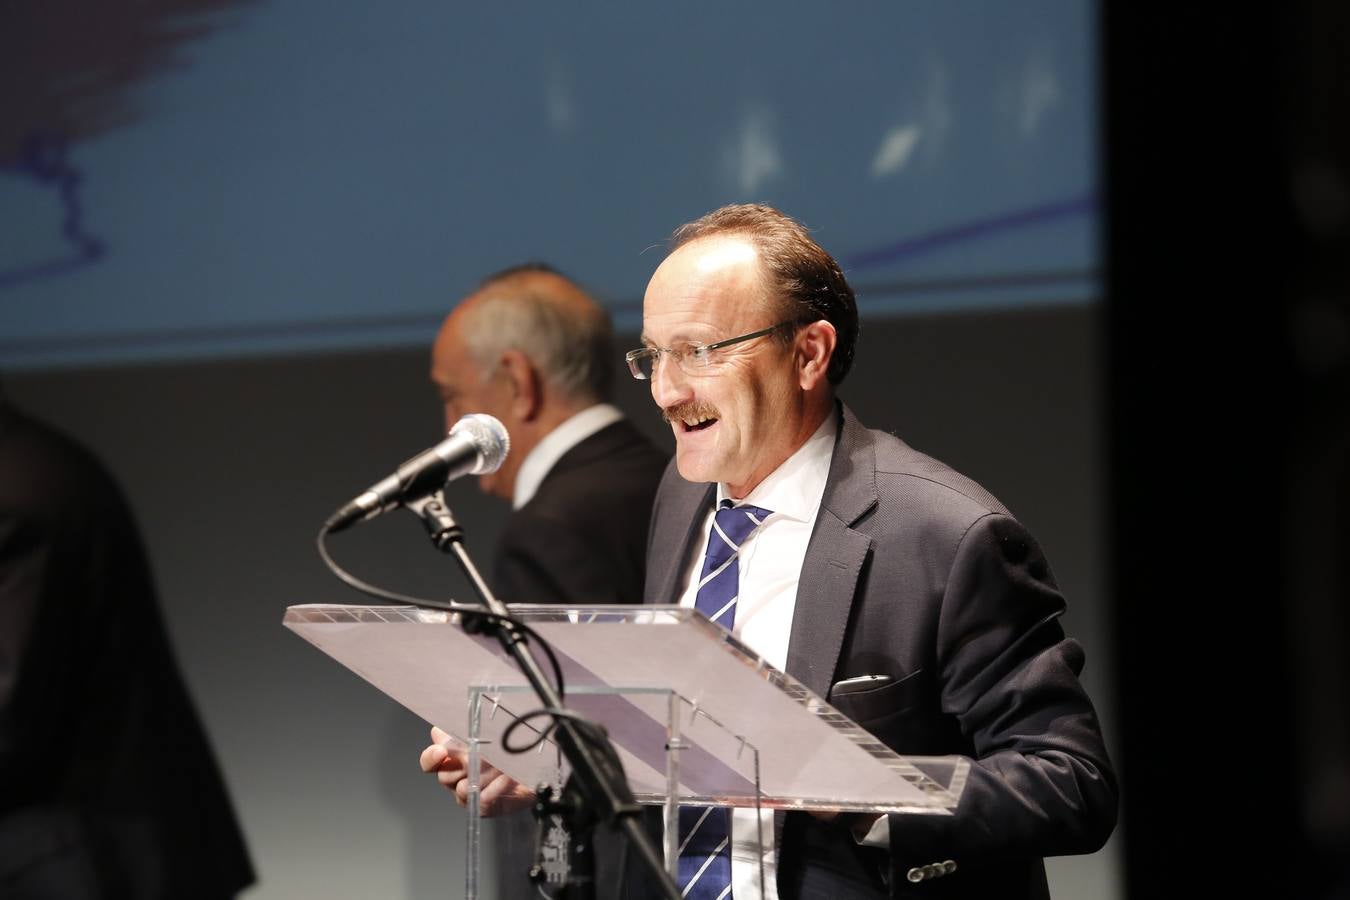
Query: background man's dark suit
point(107, 785)
point(535, 350)
point(582, 538)
point(917, 573)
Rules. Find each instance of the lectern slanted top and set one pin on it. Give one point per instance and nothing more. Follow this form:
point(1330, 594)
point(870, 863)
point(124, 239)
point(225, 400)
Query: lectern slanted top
point(616, 663)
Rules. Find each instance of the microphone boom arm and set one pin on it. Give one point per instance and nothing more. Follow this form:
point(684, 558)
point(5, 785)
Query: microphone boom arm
point(597, 783)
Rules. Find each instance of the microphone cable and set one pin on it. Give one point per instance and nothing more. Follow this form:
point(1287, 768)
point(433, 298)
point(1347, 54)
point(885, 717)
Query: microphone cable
point(481, 618)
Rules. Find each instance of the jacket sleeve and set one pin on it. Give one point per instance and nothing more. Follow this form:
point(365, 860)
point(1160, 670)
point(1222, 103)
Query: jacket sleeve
point(1040, 781)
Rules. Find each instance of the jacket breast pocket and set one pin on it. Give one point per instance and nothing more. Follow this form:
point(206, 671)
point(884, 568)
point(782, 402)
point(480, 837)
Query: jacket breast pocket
point(867, 704)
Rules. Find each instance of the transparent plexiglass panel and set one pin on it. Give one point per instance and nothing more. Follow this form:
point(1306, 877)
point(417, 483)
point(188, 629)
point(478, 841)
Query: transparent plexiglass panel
point(810, 755)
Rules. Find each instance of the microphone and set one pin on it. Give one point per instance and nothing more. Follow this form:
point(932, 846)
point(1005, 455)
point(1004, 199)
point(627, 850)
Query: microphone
point(476, 445)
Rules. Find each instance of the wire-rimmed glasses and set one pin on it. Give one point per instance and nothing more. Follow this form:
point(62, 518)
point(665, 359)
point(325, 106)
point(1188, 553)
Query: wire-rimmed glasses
point(692, 357)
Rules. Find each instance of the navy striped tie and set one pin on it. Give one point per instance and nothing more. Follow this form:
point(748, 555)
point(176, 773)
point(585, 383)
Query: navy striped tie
point(705, 832)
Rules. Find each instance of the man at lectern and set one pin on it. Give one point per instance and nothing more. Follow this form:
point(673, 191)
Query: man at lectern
point(890, 584)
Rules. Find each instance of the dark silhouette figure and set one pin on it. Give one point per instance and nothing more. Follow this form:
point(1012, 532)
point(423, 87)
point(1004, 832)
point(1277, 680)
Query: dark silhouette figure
point(108, 788)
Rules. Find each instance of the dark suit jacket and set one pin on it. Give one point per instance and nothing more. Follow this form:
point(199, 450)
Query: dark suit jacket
point(915, 572)
point(582, 538)
point(108, 787)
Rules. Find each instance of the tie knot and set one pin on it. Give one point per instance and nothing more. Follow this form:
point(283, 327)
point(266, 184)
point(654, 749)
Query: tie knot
point(737, 522)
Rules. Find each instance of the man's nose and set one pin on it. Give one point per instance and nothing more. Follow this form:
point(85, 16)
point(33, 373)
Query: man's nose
point(669, 383)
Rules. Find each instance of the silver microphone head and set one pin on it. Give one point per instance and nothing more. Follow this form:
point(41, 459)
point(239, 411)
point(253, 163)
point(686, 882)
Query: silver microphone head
point(489, 436)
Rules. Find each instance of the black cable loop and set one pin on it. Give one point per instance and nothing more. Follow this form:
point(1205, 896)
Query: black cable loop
point(588, 731)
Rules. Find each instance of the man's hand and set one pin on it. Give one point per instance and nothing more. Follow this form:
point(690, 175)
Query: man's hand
point(497, 793)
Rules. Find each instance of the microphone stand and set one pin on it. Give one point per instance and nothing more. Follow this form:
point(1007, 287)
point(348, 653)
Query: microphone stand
point(597, 790)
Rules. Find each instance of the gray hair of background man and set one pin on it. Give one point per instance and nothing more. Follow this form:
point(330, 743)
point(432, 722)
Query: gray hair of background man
point(535, 309)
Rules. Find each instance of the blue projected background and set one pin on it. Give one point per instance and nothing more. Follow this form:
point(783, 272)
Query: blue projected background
point(241, 177)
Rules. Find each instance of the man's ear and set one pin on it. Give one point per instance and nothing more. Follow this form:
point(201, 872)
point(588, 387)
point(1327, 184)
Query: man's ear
point(525, 386)
point(815, 349)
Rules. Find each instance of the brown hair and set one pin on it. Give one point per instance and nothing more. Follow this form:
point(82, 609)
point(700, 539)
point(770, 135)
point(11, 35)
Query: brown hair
point(809, 281)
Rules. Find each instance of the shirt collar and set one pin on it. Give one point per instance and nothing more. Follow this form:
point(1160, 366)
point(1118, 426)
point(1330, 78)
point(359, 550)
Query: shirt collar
point(540, 461)
point(795, 488)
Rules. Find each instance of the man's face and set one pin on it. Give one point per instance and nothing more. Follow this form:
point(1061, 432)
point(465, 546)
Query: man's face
point(464, 389)
point(741, 417)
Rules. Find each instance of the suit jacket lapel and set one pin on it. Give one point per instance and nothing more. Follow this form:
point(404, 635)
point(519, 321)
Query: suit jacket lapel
point(672, 537)
point(834, 559)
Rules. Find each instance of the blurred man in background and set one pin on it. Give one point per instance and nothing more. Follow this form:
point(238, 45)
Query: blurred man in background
point(533, 349)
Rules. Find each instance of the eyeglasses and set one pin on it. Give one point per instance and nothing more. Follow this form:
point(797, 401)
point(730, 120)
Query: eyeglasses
point(693, 358)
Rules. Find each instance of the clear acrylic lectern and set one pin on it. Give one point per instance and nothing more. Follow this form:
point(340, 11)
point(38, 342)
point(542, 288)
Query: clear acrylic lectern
point(747, 734)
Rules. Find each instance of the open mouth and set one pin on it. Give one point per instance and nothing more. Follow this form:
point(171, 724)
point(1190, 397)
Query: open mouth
point(701, 425)
point(691, 417)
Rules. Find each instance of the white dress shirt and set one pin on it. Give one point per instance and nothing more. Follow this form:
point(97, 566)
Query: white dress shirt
point(770, 562)
point(557, 442)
